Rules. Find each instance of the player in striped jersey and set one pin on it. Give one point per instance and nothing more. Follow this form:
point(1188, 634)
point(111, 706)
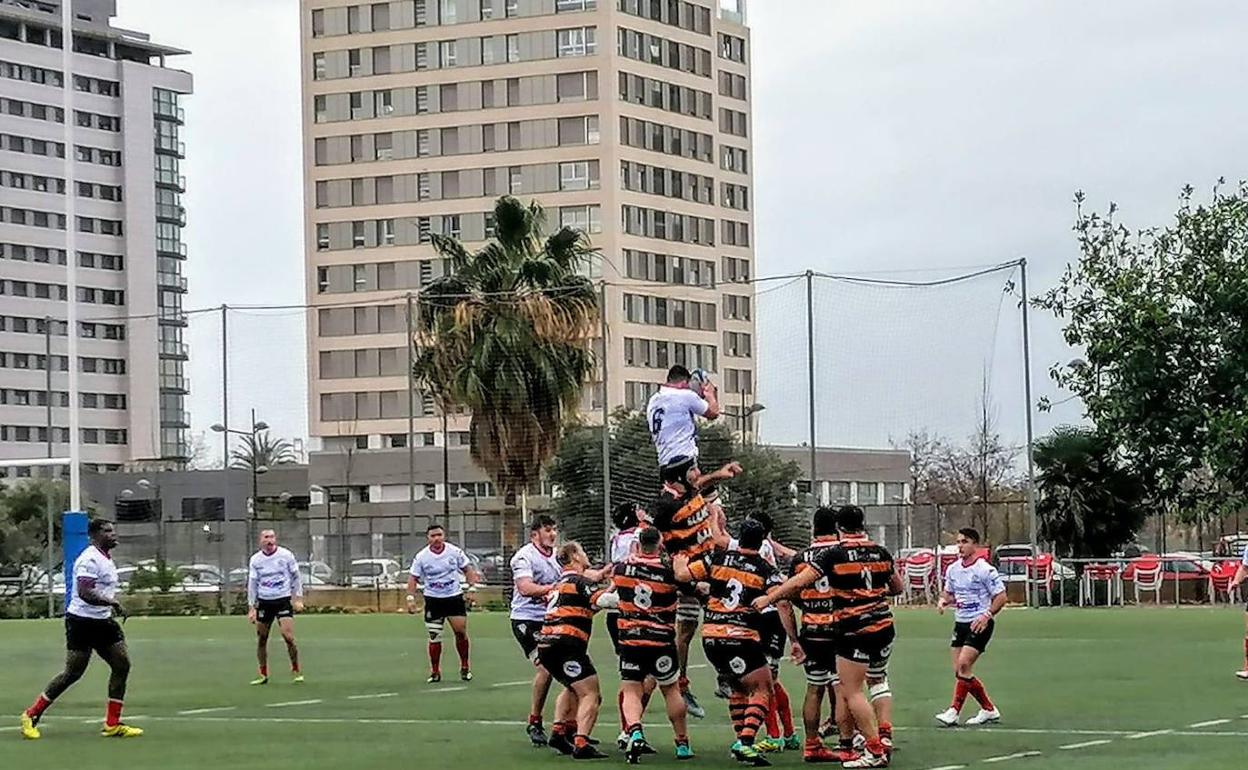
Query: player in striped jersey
point(646, 587)
point(861, 578)
point(563, 650)
point(690, 528)
point(731, 638)
point(627, 519)
point(816, 648)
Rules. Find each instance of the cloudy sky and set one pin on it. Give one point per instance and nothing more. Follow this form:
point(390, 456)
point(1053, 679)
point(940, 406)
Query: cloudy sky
point(889, 136)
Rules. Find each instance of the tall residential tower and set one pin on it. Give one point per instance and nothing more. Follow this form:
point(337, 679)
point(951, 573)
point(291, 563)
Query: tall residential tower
point(126, 154)
point(627, 118)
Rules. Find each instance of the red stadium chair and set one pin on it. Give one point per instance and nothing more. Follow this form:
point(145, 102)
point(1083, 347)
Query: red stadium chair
point(919, 573)
point(1109, 574)
point(1145, 574)
point(1220, 578)
point(1040, 573)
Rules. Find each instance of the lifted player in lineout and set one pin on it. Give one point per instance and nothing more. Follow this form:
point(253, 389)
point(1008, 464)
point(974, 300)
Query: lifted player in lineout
point(534, 572)
point(646, 587)
point(563, 650)
point(89, 626)
point(671, 414)
point(436, 572)
point(977, 594)
point(274, 592)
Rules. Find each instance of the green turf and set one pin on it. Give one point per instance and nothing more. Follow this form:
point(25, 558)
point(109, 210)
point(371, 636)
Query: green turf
point(1054, 672)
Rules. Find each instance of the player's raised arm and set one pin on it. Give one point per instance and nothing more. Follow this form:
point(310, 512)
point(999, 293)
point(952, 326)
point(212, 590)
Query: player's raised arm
point(791, 587)
point(710, 394)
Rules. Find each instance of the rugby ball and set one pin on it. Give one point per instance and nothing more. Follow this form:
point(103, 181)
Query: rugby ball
point(698, 379)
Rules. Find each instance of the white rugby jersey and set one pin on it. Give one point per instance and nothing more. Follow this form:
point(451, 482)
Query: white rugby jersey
point(670, 414)
point(439, 573)
point(273, 576)
point(973, 586)
point(97, 567)
point(543, 569)
point(622, 543)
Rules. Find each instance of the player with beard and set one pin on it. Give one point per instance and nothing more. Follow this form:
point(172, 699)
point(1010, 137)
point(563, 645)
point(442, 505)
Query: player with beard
point(436, 573)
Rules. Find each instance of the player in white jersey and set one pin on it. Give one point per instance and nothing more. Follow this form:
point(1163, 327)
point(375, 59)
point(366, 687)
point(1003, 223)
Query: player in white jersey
point(534, 572)
point(436, 573)
point(977, 593)
point(1241, 573)
point(671, 414)
point(274, 592)
point(89, 625)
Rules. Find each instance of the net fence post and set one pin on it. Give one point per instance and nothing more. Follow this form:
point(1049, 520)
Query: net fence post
point(222, 542)
point(49, 556)
point(810, 381)
point(1031, 463)
point(606, 425)
point(411, 421)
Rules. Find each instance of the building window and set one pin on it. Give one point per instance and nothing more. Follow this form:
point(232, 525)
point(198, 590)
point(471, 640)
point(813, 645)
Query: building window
point(578, 41)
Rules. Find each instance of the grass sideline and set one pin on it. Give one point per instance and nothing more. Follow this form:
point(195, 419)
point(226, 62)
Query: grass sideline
point(1139, 688)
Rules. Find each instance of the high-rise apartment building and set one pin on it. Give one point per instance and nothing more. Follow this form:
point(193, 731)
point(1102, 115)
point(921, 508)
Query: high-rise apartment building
point(629, 119)
point(127, 230)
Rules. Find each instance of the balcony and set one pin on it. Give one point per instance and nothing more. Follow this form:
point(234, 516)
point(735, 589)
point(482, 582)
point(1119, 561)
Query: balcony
point(174, 281)
point(171, 316)
point(171, 179)
point(175, 384)
point(180, 450)
point(167, 111)
point(168, 212)
point(167, 145)
point(175, 418)
point(174, 349)
point(170, 248)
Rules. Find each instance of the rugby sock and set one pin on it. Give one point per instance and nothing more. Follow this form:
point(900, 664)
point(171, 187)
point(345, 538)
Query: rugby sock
point(784, 709)
point(683, 684)
point(435, 657)
point(264, 671)
point(619, 700)
point(755, 714)
point(886, 730)
point(773, 727)
point(682, 740)
point(535, 719)
point(736, 710)
point(112, 716)
point(977, 690)
point(960, 691)
point(461, 646)
point(38, 707)
point(876, 747)
point(645, 700)
point(581, 741)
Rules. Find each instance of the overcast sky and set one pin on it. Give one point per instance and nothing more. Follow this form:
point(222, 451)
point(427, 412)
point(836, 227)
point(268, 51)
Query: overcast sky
point(888, 136)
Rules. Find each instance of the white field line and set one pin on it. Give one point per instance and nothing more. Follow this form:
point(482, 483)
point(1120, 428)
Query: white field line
point(372, 696)
point(1150, 734)
point(512, 684)
point(293, 703)
point(1084, 745)
point(1019, 755)
point(213, 710)
point(1210, 723)
point(449, 689)
point(948, 767)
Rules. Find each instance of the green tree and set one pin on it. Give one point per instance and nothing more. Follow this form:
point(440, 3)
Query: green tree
point(1160, 317)
point(766, 485)
point(262, 450)
point(23, 521)
point(506, 334)
point(1089, 505)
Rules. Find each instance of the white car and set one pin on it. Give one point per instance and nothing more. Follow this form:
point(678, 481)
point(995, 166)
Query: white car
point(1015, 570)
point(375, 573)
point(317, 569)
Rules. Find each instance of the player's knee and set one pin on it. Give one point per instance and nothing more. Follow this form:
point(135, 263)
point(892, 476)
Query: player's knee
point(964, 669)
point(879, 689)
point(435, 632)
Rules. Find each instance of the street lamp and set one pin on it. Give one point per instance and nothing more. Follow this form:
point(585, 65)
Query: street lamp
point(743, 416)
point(256, 428)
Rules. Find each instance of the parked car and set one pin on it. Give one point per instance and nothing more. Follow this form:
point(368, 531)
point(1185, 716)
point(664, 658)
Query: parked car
point(318, 568)
point(376, 573)
point(1012, 564)
point(492, 565)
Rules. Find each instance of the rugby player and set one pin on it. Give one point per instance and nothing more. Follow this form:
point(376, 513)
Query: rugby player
point(861, 577)
point(627, 519)
point(730, 637)
point(671, 414)
point(534, 572)
point(646, 586)
point(690, 528)
point(436, 572)
point(563, 650)
point(89, 626)
point(1241, 573)
point(274, 592)
point(977, 594)
point(816, 648)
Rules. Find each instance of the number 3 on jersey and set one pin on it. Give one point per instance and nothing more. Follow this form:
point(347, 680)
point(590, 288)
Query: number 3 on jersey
point(734, 596)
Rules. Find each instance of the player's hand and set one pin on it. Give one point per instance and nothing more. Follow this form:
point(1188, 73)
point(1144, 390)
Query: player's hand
point(251, 615)
point(733, 469)
point(798, 654)
point(940, 606)
point(411, 604)
point(709, 387)
point(120, 610)
point(762, 603)
point(980, 623)
point(297, 605)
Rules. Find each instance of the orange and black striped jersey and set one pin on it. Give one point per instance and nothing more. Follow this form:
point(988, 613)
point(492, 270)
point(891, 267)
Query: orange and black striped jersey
point(736, 578)
point(570, 618)
point(686, 524)
point(816, 600)
point(647, 589)
point(858, 573)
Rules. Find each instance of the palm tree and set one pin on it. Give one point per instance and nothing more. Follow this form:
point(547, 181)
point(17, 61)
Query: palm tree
point(506, 334)
point(262, 450)
point(1090, 505)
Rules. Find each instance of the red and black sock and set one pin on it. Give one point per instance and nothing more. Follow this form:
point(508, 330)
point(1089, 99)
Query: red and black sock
point(961, 690)
point(112, 714)
point(37, 708)
point(461, 646)
point(780, 697)
point(435, 657)
point(978, 692)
